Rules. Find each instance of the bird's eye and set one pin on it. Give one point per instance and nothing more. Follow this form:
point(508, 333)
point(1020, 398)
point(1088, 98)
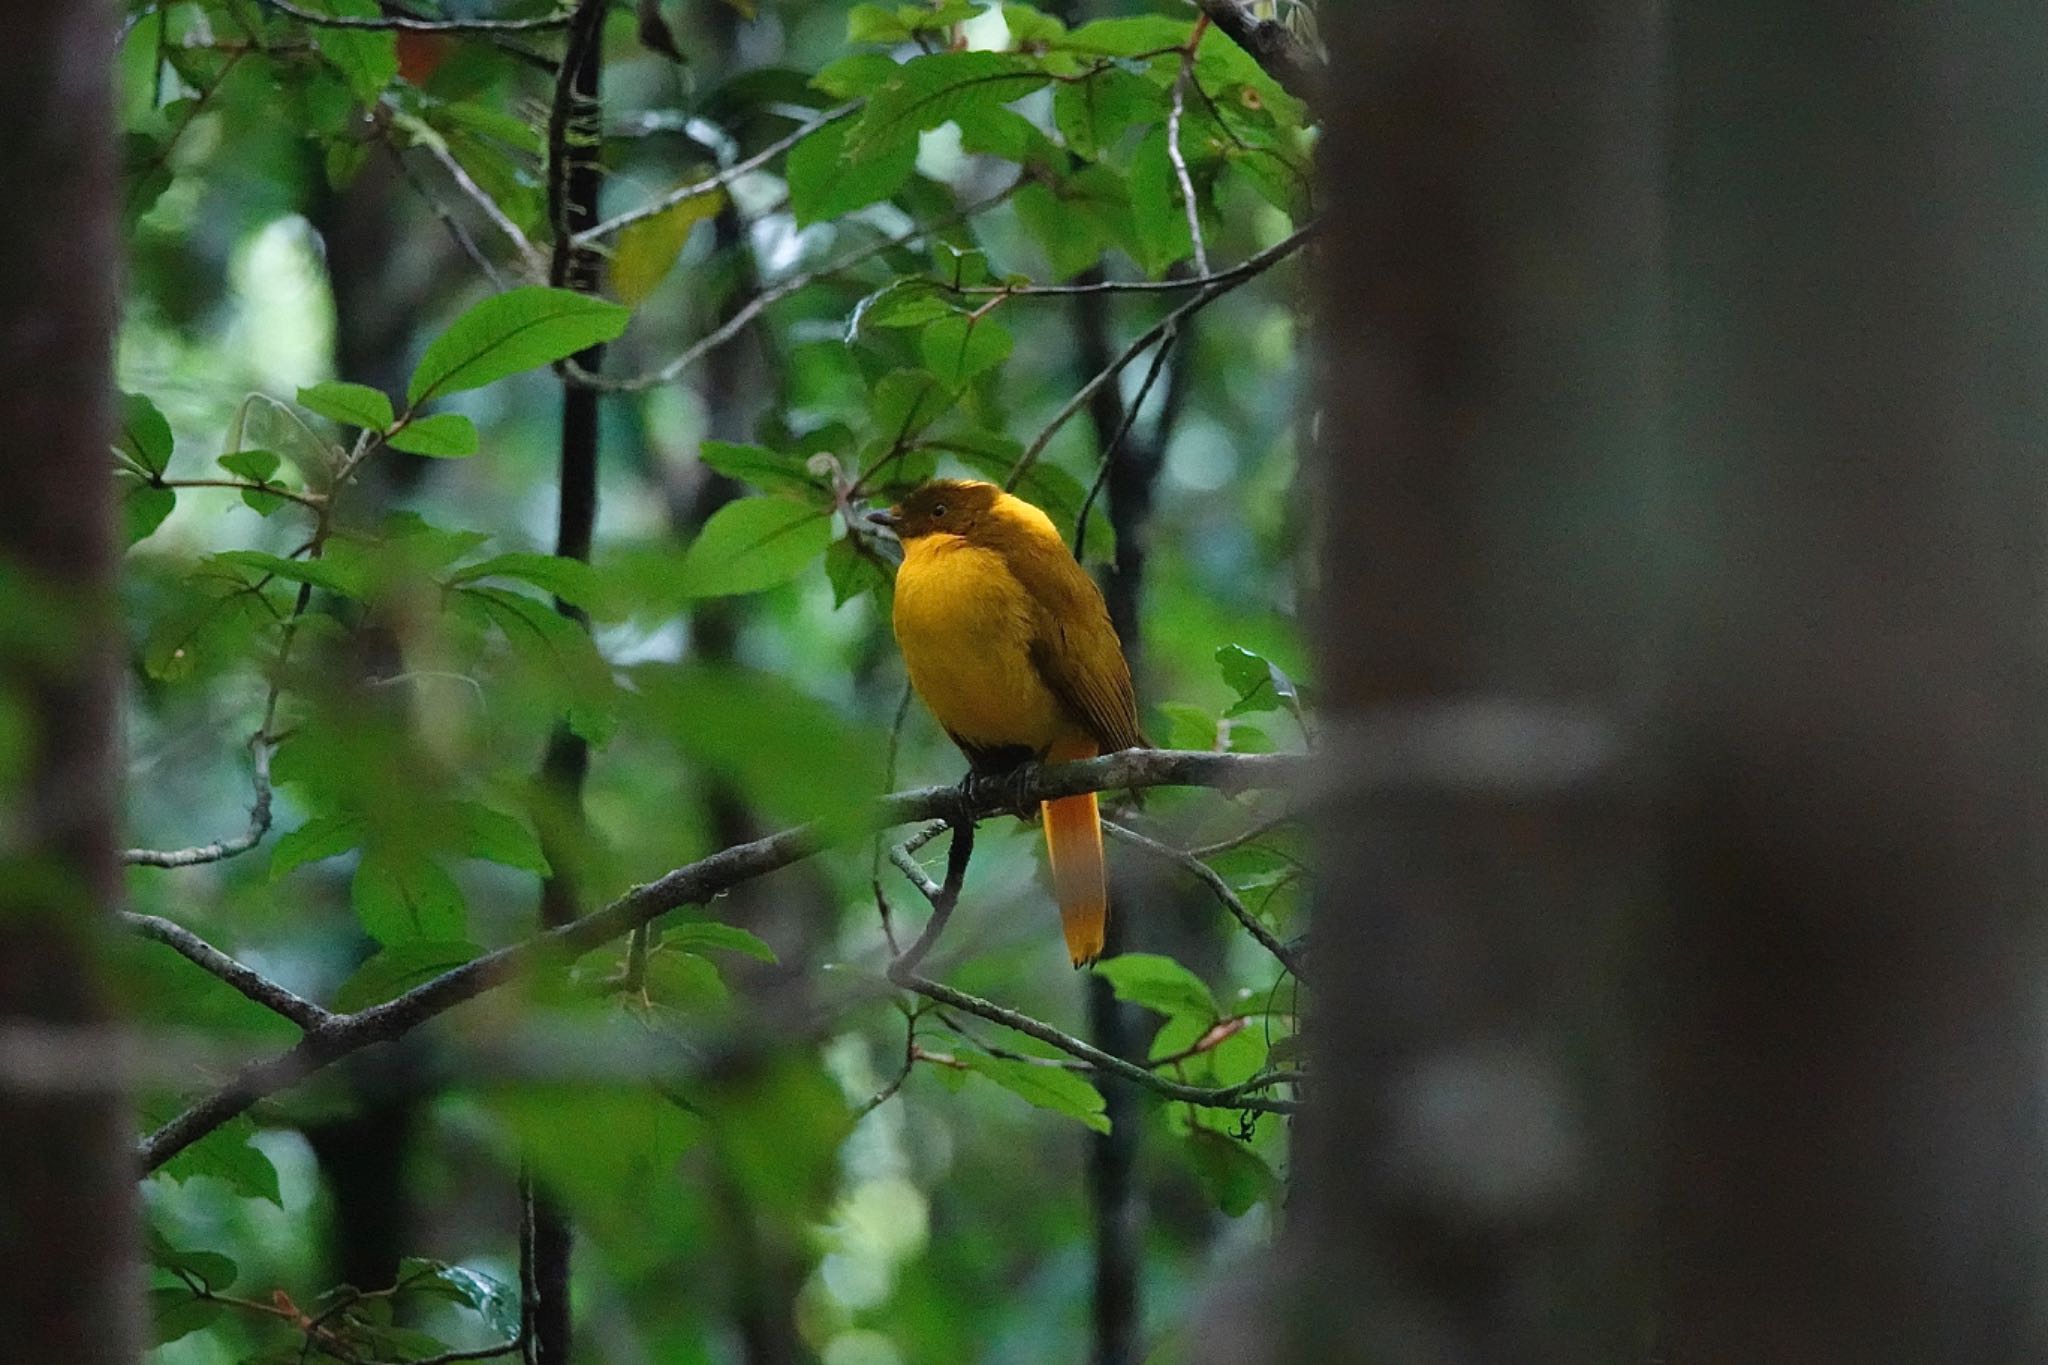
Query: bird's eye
point(938, 509)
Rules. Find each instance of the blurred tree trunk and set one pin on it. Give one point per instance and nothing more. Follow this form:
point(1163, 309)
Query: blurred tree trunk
point(1473, 1172)
point(68, 1278)
point(1862, 305)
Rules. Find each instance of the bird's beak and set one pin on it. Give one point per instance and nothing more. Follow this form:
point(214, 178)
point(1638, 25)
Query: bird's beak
point(888, 519)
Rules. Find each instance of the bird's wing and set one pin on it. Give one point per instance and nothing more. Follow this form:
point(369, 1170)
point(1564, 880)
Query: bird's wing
point(1075, 651)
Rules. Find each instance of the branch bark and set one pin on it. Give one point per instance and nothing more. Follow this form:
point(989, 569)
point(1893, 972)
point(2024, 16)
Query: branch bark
point(1281, 55)
point(693, 884)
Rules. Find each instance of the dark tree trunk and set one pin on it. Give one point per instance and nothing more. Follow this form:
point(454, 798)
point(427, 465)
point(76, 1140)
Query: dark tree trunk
point(1471, 1168)
point(1861, 303)
point(68, 1280)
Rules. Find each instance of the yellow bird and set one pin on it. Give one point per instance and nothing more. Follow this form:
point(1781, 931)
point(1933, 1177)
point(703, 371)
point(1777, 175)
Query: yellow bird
point(1008, 641)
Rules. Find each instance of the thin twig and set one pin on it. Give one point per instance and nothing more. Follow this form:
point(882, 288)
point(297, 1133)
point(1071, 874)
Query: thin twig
point(1174, 113)
point(1242, 1096)
point(1216, 288)
point(456, 231)
point(412, 25)
point(1221, 889)
point(748, 311)
point(536, 263)
point(895, 1083)
point(1109, 452)
point(1257, 830)
point(693, 884)
point(250, 982)
point(943, 898)
point(261, 747)
point(725, 177)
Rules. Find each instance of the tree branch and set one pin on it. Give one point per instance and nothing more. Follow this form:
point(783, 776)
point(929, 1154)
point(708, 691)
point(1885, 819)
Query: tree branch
point(1273, 45)
point(250, 982)
point(259, 825)
point(341, 1034)
point(411, 25)
point(1217, 286)
point(1221, 889)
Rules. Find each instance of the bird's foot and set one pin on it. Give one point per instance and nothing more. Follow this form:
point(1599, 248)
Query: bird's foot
point(1006, 792)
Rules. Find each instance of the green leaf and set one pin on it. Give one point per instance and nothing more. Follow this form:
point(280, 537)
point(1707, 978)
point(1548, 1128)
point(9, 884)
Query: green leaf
point(510, 332)
point(958, 348)
point(257, 466)
point(851, 573)
point(1260, 686)
point(1028, 25)
point(703, 936)
point(366, 58)
point(571, 580)
point(1094, 114)
point(496, 1302)
point(445, 436)
point(860, 74)
point(751, 544)
point(905, 402)
point(176, 1312)
point(899, 303)
point(1159, 983)
point(772, 471)
point(552, 642)
point(210, 1268)
point(145, 436)
point(401, 896)
point(227, 1155)
point(826, 183)
point(393, 971)
point(321, 573)
point(351, 405)
point(1159, 216)
point(499, 838)
point(1188, 727)
point(647, 250)
point(940, 88)
point(1232, 1174)
point(323, 836)
point(1129, 37)
point(144, 508)
point(875, 24)
point(1048, 1087)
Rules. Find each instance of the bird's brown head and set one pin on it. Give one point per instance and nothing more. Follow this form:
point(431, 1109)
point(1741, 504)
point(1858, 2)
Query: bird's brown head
point(956, 507)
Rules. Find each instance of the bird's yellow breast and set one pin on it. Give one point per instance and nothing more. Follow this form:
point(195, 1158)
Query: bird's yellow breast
point(965, 625)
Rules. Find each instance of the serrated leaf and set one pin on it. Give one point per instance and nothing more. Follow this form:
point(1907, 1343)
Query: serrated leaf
point(1047, 1087)
point(443, 436)
point(323, 836)
point(393, 971)
point(772, 471)
point(499, 838)
point(401, 896)
point(855, 75)
point(571, 580)
point(1158, 983)
point(145, 437)
point(226, 1155)
point(751, 544)
point(647, 250)
point(703, 936)
point(352, 405)
point(510, 332)
point(1094, 114)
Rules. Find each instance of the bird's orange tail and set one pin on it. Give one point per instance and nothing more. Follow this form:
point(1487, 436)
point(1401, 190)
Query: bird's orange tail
point(1073, 843)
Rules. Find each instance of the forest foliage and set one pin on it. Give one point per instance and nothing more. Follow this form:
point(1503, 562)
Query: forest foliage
point(839, 249)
